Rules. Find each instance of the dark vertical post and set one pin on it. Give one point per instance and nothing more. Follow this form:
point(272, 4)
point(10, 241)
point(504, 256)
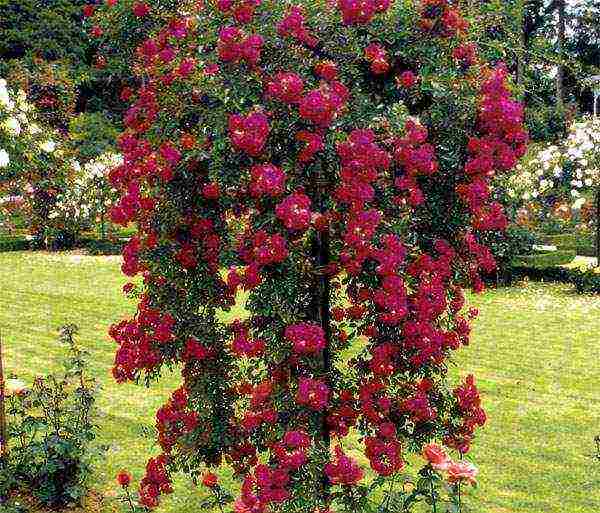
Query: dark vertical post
point(324, 314)
point(321, 305)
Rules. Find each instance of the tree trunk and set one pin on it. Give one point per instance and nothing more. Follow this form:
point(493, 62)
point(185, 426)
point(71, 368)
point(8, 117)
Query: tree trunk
point(560, 73)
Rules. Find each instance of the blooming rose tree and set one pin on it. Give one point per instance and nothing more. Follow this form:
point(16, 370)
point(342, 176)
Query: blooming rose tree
point(557, 185)
point(331, 160)
point(32, 164)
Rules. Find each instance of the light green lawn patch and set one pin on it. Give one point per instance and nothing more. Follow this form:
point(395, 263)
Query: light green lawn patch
point(535, 352)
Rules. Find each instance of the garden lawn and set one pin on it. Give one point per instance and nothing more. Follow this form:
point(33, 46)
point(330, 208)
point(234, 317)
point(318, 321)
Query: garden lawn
point(535, 352)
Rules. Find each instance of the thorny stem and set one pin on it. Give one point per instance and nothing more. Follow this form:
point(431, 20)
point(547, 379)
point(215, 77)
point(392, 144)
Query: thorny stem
point(129, 500)
point(433, 501)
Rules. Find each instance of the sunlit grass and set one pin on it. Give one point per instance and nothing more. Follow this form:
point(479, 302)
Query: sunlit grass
point(535, 353)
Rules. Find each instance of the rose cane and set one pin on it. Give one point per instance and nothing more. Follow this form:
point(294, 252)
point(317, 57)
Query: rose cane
point(124, 480)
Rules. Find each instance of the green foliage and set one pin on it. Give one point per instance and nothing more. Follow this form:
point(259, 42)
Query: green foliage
point(47, 30)
point(546, 259)
point(92, 134)
point(505, 246)
point(51, 432)
point(548, 416)
point(13, 243)
point(586, 281)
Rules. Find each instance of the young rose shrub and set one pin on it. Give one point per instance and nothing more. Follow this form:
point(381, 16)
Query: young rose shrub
point(332, 160)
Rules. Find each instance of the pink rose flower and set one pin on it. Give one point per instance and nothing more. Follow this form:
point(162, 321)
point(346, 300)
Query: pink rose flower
point(437, 456)
point(462, 471)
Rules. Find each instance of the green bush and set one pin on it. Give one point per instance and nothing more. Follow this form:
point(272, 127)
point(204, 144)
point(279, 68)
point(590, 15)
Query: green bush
point(545, 259)
point(51, 429)
point(585, 281)
point(92, 134)
point(13, 243)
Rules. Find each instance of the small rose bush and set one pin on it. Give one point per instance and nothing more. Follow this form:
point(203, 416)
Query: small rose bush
point(332, 161)
point(50, 450)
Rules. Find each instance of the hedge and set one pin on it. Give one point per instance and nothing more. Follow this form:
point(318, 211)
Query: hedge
point(545, 259)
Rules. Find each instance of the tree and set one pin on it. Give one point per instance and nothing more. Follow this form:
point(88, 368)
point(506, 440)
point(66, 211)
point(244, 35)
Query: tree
point(333, 162)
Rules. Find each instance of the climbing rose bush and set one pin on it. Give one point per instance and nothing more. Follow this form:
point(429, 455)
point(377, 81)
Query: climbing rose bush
point(326, 165)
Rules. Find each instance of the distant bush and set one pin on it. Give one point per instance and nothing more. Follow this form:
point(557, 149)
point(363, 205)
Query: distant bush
point(547, 259)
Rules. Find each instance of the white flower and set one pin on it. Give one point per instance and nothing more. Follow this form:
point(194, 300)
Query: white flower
point(12, 126)
point(5, 100)
point(34, 129)
point(4, 158)
point(588, 182)
point(578, 203)
point(14, 386)
point(48, 146)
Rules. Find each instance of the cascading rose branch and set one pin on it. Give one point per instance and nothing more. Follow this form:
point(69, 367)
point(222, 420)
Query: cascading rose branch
point(273, 140)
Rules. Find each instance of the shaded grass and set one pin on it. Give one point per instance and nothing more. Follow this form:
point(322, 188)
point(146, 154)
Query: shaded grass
point(535, 353)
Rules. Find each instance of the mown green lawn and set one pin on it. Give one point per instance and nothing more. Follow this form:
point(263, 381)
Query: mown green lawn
point(535, 351)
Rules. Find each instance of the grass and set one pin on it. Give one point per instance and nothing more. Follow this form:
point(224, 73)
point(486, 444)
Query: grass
point(535, 353)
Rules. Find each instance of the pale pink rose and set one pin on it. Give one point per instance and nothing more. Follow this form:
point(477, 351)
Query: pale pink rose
point(462, 471)
point(14, 387)
point(437, 456)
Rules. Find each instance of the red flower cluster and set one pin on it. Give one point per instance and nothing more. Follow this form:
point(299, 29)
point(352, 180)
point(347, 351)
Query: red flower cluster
point(293, 25)
point(174, 420)
point(249, 133)
point(416, 157)
point(307, 338)
point(377, 56)
point(235, 46)
point(407, 79)
point(137, 341)
point(294, 211)
point(266, 180)
point(287, 87)
point(361, 159)
point(124, 478)
point(343, 470)
point(156, 482)
point(265, 487)
point(361, 12)
point(465, 55)
point(385, 454)
point(321, 106)
point(241, 10)
point(469, 406)
point(313, 145)
point(141, 9)
point(242, 344)
point(440, 18)
point(291, 451)
point(312, 393)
